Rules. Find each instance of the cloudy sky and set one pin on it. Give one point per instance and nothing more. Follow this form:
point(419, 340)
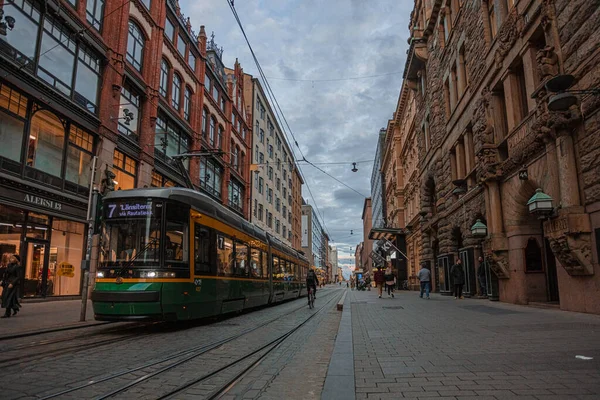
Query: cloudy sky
point(316, 55)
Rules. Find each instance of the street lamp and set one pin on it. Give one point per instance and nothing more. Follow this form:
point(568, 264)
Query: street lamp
point(564, 98)
point(540, 203)
point(479, 229)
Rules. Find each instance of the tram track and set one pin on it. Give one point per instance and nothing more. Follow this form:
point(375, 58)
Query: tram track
point(180, 358)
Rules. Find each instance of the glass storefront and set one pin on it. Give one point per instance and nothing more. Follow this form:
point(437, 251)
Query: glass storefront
point(51, 250)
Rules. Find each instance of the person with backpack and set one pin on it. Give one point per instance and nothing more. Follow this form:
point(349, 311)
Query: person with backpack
point(312, 281)
point(458, 277)
point(390, 279)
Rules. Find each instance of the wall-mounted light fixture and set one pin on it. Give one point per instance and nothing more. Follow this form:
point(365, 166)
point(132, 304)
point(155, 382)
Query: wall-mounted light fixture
point(565, 98)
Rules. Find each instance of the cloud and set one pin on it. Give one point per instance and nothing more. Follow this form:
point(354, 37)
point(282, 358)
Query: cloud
point(332, 121)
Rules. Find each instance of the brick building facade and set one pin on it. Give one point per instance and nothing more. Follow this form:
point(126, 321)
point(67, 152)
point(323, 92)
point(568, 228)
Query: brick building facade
point(128, 82)
point(486, 140)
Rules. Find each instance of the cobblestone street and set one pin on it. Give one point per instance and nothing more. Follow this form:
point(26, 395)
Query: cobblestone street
point(402, 347)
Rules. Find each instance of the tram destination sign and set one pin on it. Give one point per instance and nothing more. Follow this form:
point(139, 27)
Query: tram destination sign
point(129, 209)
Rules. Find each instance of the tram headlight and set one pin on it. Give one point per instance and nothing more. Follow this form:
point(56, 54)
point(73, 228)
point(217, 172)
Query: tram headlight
point(99, 274)
point(151, 274)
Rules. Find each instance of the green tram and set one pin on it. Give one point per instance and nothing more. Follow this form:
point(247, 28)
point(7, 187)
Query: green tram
point(176, 254)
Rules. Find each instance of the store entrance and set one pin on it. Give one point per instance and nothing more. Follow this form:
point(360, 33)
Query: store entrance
point(37, 279)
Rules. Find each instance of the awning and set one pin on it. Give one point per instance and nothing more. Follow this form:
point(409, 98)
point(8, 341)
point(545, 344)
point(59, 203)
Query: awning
point(385, 233)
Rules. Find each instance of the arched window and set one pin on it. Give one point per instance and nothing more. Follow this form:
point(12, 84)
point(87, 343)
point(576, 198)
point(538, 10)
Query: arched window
point(176, 91)
point(135, 46)
point(211, 133)
point(204, 122)
point(164, 78)
point(236, 151)
point(220, 138)
point(187, 103)
point(46, 143)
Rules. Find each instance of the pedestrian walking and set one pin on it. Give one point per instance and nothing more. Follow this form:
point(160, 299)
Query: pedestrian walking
point(379, 280)
point(458, 276)
point(481, 275)
point(10, 293)
point(425, 279)
point(390, 279)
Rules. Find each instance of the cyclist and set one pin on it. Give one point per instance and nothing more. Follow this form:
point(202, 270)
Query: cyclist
point(312, 281)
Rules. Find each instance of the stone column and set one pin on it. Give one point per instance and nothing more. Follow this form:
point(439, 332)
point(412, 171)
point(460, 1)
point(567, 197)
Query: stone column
point(495, 208)
point(567, 171)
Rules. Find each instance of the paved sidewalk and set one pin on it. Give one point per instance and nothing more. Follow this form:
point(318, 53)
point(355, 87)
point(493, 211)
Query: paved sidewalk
point(45, 315)
point(457, 349)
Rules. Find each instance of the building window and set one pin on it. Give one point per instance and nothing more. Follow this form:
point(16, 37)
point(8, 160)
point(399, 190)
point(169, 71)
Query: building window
point(169, 140)
point(124, 168)
point(236, 152)
point(57, 57)
point(176, 91)
point(204, 121)
point(211, 133)
point(260, 212)
point(521, 106)
point(261, 183)
point(164, 78)
point(256, 153)
point(87, 79)
point(269, 219)
point(146, 3)
point(46, 143)
point(129, 112)
point(235, 195)
point(493, 27)
point(210, 176)
point(270, 173)
point(447, 98)
point(270, 196)
point(11, 126)
point(95, 13)
point(207, 83)
point(170, 30)
point(270, 151)
point(135, 46)
point(159, 180)
point(187, 104)
point(192, 61)
point(79, 157)
point(261, 158)
point(426, 138)
point(24, 36)
point(220, 137)
point(261, 135)
point(215, 93)
point(181, 45)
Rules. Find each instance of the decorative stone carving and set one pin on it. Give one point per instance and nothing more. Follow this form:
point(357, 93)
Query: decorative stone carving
point(487, 166)
point(570, 239)
point(497, 260)
point(547, 61)
point(507, 36)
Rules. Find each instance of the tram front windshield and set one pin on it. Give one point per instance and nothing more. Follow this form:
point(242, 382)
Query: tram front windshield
point(131, 235)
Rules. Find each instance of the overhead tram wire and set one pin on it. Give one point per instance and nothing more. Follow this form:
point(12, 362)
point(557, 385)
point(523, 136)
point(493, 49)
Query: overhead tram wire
point(271, 95)
point(336, 179)
point(337, 79)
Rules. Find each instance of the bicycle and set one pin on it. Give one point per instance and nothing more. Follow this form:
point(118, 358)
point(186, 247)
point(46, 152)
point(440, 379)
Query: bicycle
point(311, 298)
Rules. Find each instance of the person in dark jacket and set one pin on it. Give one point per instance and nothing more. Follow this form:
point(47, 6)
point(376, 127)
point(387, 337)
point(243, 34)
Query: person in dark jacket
point(481, 276)
point(10, 294)
point(379, 280)
point(458, 276)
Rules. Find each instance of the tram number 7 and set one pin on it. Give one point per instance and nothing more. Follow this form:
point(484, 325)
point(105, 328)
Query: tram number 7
point(111, 210)
point(221, 242)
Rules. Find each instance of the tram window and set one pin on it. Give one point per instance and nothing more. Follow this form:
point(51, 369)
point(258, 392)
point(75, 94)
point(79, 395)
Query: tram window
point(264, 262)
point(224, 255)
point(241, 259)
point(292, 271)
point(276, 269)
point(201, 250)
point(255, 263)
point(176, 238)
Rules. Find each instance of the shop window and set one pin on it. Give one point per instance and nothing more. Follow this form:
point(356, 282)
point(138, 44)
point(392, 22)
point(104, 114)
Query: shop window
point(124, 168)
point(95, 13)
point(210, 177)
point(164, 78)
point(11, 225)
point(66, 253)
point(202, 250)
point(79, 157)
point(533, 256)
point(13, 101)
point(23, 39)
point(224, 255)
point(46, 143)
point(11, 136)
point(135, 46)
point(129, 111)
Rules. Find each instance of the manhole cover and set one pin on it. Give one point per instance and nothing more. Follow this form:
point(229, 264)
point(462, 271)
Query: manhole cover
point(394, 307)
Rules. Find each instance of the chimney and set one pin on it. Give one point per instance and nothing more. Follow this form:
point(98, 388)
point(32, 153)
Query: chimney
point(202, 41)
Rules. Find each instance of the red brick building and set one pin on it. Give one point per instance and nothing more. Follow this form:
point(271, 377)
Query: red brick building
point(127, 81)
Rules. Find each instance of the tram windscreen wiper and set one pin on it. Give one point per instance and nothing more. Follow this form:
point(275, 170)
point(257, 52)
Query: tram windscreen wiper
point(137, 255)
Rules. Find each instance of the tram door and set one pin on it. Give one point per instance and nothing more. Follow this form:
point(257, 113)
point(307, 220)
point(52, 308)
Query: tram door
point(35, 262)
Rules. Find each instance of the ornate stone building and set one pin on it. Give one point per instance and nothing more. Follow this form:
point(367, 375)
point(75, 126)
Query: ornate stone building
point(487, 140)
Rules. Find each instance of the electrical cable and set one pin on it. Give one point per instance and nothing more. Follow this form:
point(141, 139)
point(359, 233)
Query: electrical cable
point(338, 79)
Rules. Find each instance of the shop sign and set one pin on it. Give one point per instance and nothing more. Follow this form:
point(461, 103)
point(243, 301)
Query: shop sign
point(376, 257)
point(40, 201)
point(66, 269)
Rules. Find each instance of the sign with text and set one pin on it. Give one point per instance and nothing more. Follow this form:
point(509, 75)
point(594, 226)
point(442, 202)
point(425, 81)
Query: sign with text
point(377, 259)
point(128, 209)
point(388, 247)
